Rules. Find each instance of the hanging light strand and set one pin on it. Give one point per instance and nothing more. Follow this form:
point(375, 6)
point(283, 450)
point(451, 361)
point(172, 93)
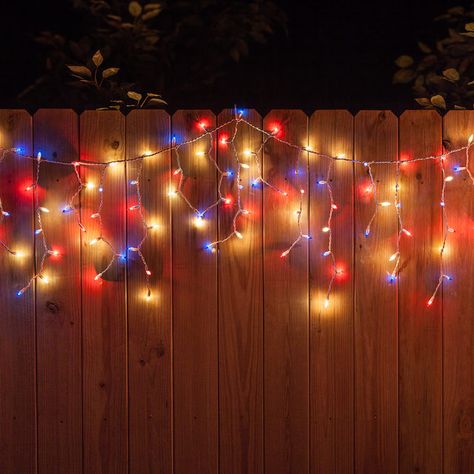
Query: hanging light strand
point(98, 216)
point(299, 212)
point(39, 232)
point(146, 228)
point(447, 229)
point(238, 121)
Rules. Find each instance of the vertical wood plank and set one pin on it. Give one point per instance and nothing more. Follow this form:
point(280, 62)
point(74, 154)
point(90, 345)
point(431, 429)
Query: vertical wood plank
point(286, 309)
point(194, 302)
point(58, 304)
point(17, 321)
point(332, 345)
point(420, 327)
point(376, 324)
point(104, 301)
point(458, 297)
point(241, 313)
point(150, 436)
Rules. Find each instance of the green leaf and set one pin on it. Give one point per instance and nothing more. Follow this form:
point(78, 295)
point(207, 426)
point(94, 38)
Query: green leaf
point(404, 61)
point(151, 14)
point(111, 71)
point(152, 6)
point(97, 59)
point(451, 74)
point(134, 95)
point(157, 101)
point(135, 9)
point(438, 101)
point(423, 102)
point(80, 70)
point(424, 48)
point(404, 76)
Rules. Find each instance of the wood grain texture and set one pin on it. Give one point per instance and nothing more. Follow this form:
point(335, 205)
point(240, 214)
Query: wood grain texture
point(376, 324)
point(241, 313)
point(331, 333)
point(286, 308)
point(104, 302)
point(458, 298)
point(149, 333)
point(194, 303)
point(420, 327)
point(58, 304)
point(17, 321)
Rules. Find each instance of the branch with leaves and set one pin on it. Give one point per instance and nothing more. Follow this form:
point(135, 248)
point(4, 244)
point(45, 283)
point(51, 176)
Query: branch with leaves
point(95, 76)
point(442, 74)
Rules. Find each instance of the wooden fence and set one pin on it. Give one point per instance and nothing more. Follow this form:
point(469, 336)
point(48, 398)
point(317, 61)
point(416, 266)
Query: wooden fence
point(235, 366)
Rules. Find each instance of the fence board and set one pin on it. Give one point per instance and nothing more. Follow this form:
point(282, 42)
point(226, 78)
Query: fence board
point(58, 304)
point(286, 368)
point(458, 297)
point(375, 331)
point(149, 320)
point(17, 321)
point(241, 313)
point(104, 301)
point(194, 304)
point(331, 343)
point(420, 327)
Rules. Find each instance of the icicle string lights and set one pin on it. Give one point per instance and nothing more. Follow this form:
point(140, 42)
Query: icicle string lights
point(244, 160)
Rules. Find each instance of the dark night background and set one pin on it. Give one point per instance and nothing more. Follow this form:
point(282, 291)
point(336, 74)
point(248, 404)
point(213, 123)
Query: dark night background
point(338, 54)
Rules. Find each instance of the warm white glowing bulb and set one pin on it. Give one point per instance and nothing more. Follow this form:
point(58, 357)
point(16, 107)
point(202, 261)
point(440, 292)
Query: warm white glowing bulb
point(200, 153)
point(385, 203)
point(448, 179)
point(238, 235)
point(173, 193)
point(247, 152)
point(393, 257)
point(244, 165)
point(199, 222)
point(147, 153)
point(44, 209)
point(153, 226)
point(326, 302)
point(90, 185)
point(326, 229)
